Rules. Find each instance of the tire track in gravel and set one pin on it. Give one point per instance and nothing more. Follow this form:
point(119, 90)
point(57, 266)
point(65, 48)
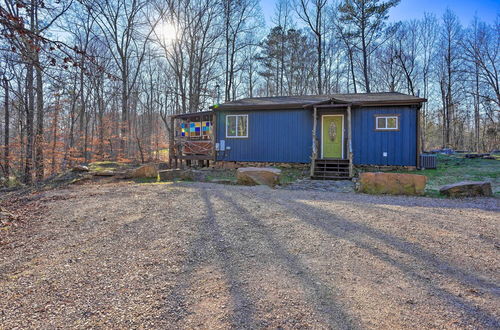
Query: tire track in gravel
point(344, 229)
point(322, 297)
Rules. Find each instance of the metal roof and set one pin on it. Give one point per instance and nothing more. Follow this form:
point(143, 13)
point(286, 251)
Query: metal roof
point(192, 114)
point(304, 101)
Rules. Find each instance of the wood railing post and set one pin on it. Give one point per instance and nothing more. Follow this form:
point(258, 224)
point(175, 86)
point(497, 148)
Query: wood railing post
point(349, 141)
point(171, 142)
point(314, 147)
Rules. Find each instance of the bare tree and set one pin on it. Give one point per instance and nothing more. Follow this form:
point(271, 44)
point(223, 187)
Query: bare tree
point(312, 12)
point(125, 29)
point(449, 67)
point(240, 24)
point(367, 19)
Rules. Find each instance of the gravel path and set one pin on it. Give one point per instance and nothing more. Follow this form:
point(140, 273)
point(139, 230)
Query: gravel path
point(193, 255)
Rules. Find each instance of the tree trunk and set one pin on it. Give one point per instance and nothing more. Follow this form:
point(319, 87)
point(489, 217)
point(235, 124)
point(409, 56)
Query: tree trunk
point(7, 127)
point(39, 166)
point(320, 62)
point(476, 110)
point(351, 65)
point(30, 116)
point(365, 58)
point(54, 135)
point(124, 121)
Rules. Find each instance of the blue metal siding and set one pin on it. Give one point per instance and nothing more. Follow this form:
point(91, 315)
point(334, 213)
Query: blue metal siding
point(273, 136)
point(369, 145)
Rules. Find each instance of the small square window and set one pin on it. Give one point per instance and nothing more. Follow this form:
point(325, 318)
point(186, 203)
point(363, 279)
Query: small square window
point(386, 123)
point(237, 126)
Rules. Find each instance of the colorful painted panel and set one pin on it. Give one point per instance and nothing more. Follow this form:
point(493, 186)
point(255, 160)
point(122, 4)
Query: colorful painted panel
point(195, 129)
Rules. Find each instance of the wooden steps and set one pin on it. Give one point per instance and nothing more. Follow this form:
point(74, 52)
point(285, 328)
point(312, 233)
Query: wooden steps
point(331, 169)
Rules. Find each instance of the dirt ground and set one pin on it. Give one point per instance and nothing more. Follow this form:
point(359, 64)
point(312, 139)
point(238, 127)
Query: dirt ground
point(194, 255)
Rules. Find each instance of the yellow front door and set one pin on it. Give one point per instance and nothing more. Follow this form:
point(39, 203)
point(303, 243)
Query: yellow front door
point(332, 136)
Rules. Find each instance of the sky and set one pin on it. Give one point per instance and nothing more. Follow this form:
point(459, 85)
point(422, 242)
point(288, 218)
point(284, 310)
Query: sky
point(486, 10)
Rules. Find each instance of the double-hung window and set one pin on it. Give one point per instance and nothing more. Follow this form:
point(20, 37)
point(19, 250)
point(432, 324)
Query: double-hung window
point(236, 126)
point(386, 123)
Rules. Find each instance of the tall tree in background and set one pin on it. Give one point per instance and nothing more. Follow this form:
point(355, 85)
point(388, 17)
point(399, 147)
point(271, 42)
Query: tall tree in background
point(312, 13)
point(428, 37)
point(367, 18)
point(282, 19)
point(450, 63)
point(240, 23)
point(123, 25)
point(25, 26)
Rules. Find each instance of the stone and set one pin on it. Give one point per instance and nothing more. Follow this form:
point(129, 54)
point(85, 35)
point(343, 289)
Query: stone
point(230, 165)
point(392, 183)
point(170, 175)
point(80, 168)
point(258, 176)
point(467, 189)
point(193, 175)
point(222, 181)
point(145, 171)
point(104, 173)
point(188, 174)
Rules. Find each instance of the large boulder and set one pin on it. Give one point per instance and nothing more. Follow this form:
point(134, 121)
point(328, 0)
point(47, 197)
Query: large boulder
point(170, 174)
point(258, 176)
point(188, 174)
point(145, 171)
point(194, 175)
point(467, 189)
point(104, 173)
point(392, 183)
point(80, 168)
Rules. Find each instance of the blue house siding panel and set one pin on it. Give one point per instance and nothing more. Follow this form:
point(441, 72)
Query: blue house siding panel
point(273, 136)
point(369, 145)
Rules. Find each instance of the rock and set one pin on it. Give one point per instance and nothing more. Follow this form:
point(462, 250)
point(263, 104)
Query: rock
point(258, 176)
point(170, 175)
point(80, 168)
point(191, 175)
point(467, 189)
point(230, 165)
point(104, 173)
point(392, 183)
point(145, 171)
point(221, 181)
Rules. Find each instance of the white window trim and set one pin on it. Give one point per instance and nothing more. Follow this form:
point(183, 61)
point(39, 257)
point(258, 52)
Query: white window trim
point(386, 120)
point(227, 126)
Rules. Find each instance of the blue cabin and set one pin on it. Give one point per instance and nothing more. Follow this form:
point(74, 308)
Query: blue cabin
point(333, 133)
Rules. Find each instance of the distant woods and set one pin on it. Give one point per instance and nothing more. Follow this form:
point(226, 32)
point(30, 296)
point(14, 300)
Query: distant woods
point(96, 80)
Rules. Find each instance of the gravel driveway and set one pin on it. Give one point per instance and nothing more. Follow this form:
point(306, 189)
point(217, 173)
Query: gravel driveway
point(214, 256)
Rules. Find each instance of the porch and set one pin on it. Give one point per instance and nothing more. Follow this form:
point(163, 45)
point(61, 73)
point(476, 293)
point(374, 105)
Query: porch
point(191, 140)
point(332, 154)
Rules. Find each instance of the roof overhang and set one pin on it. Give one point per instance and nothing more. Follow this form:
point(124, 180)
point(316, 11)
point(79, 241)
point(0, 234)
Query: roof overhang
point(192, 115)
point(327, 102)
point(258, 107)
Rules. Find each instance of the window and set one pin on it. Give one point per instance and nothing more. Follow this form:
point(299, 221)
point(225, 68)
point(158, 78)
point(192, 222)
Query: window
point(237, 126)
point(387, 122)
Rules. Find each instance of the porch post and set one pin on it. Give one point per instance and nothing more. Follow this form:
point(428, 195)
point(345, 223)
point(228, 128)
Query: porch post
point(171, 142)
point(314, 147)
point(349, 141)
point(214, 136)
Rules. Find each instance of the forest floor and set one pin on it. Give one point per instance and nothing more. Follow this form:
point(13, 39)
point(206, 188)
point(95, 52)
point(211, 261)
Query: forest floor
point(187, 255)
